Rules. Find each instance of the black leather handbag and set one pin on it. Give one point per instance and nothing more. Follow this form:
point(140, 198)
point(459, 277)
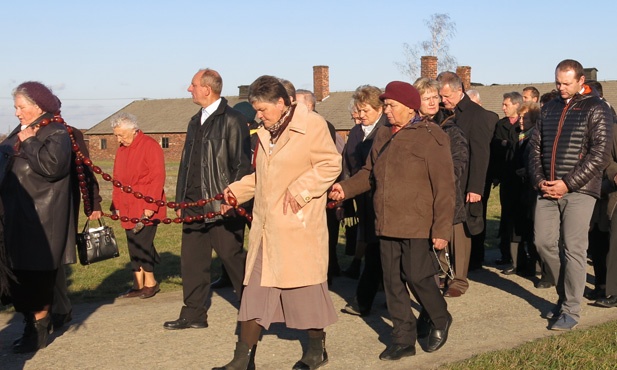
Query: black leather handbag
point(94, 245)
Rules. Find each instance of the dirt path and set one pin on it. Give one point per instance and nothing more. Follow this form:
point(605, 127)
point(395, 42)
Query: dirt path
point(497, 312)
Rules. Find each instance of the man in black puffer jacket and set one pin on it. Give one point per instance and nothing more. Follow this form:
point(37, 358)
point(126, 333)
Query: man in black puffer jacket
point(569, 150)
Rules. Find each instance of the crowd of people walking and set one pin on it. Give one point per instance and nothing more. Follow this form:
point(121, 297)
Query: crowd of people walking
point(416, 170)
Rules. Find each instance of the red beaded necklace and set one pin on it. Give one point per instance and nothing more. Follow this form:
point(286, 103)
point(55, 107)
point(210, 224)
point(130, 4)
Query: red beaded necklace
point(82, 160)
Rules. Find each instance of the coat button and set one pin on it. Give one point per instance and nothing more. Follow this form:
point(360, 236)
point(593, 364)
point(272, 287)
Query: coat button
point(307, 199)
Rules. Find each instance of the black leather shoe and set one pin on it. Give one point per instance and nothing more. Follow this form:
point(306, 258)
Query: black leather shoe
point(608, 301)
point(395, 352)
point(59, 319)
point(355, 309)
point(544, 284)
point(183, 323)
point(594, 295)
point(437, 337)
point(509, 271)
point(502, 261)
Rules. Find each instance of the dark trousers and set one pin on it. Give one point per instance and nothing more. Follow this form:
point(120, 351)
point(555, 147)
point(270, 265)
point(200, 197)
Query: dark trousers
point(62, 303)
point(198, 240)
point(598, 248)
point(371, 276)
point(333, 230)
point(477, 241)
point(411, 262)
point(611, 259)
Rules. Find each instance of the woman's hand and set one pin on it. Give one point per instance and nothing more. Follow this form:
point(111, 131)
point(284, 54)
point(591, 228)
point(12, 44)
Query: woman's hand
point(27, 133)
point(291, 202)
point(225, 207)
point(148, 213)
point(95, 215)
point(337, 192)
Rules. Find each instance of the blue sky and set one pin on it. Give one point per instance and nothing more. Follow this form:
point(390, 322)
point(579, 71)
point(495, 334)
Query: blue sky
point(100, 56)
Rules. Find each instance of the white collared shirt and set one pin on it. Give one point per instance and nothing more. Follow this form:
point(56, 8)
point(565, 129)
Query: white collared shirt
point(207, 111)
point(368, 129)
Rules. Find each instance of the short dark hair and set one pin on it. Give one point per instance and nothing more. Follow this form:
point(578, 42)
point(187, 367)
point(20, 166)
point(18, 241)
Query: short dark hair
point(268, 89)
point(534, 92)
point(571, 64)
point(545, 98)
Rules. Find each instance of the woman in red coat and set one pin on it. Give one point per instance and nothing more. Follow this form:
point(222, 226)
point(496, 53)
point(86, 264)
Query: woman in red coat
point(139, 164)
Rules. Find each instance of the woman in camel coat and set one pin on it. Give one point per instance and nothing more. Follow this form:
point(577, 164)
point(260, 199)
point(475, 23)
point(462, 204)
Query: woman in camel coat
point(286, 269)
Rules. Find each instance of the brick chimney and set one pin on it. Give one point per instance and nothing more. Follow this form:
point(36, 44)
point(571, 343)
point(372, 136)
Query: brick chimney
point(428, 67)
point(243, 92)
point(464, 72)
point(321, 82)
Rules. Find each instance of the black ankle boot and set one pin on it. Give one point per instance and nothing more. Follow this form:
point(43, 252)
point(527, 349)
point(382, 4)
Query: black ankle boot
point(244, 358)
point(315, 357)
point(35, 335)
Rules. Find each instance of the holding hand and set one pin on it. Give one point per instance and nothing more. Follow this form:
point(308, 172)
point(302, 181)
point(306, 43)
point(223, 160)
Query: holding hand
point(337, 192)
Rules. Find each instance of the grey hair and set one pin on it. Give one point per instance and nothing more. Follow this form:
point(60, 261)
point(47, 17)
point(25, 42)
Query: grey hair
point(125, 120)
point(474, 95)
point(451, 79)
point(308, 94)
point(514, 96)
point(352, 106)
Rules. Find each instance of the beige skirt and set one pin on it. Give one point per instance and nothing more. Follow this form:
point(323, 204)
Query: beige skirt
point(308, 307)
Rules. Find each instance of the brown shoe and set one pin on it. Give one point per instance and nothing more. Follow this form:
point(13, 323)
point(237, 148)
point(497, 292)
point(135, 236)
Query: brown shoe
point(149, 291)
point(132, 293)
point(453, 293)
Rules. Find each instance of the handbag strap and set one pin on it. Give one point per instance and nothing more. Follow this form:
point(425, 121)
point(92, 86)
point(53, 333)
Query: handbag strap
point(101, 223)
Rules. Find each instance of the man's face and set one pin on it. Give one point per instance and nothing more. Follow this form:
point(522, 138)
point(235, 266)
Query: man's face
point(199, 93)
point(509, 109)
point(450, 97)
point(528, 96)
point(567, 83)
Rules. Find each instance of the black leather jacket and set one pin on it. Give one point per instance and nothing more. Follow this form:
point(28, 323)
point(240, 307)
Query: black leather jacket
point(225, 154)
point(572, 142)
point(36, 194)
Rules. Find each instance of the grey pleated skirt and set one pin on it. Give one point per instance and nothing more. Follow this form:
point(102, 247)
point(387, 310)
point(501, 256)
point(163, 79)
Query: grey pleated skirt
point(308, 307)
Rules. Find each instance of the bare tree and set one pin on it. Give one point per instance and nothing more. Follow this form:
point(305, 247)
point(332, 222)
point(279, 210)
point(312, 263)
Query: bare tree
point(442, 29)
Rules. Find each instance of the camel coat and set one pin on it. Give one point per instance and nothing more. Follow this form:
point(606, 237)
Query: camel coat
point(305, 162)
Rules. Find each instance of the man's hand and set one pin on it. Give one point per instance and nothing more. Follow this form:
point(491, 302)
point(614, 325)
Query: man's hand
point(337, 192)
point(148, 213)
point(439, 244)
point(473, 197)
point(290, 201)
point(553, 189)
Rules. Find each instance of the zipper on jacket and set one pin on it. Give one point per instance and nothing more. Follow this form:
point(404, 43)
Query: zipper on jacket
point(559, 127)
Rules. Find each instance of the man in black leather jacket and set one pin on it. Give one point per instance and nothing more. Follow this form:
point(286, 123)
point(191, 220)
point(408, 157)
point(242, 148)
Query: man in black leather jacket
point(569, 149)
point(216, 153)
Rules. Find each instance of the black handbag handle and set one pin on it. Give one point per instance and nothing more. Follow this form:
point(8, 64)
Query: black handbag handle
point(101, 223)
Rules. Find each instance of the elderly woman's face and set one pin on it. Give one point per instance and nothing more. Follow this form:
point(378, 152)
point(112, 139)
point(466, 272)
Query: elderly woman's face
point(269, 113)
point(124, 135)
point(25, 110)
point(429, 103)
point(398, 114)
point(368, 114)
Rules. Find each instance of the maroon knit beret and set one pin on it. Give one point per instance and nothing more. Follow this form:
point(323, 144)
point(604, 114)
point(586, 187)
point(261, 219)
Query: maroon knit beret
point(41, 95)
point(403, 93)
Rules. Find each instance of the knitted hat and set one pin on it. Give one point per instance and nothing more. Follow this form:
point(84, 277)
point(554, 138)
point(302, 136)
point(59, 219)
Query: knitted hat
point(403, 93)
point(41, 95)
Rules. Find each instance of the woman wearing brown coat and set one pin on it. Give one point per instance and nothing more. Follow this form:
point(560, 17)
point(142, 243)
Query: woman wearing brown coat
point(296, 162)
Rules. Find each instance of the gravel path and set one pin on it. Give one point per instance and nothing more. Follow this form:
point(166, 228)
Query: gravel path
point(497, 312)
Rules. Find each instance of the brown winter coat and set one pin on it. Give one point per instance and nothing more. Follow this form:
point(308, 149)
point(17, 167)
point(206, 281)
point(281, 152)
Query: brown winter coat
point(414, 191)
